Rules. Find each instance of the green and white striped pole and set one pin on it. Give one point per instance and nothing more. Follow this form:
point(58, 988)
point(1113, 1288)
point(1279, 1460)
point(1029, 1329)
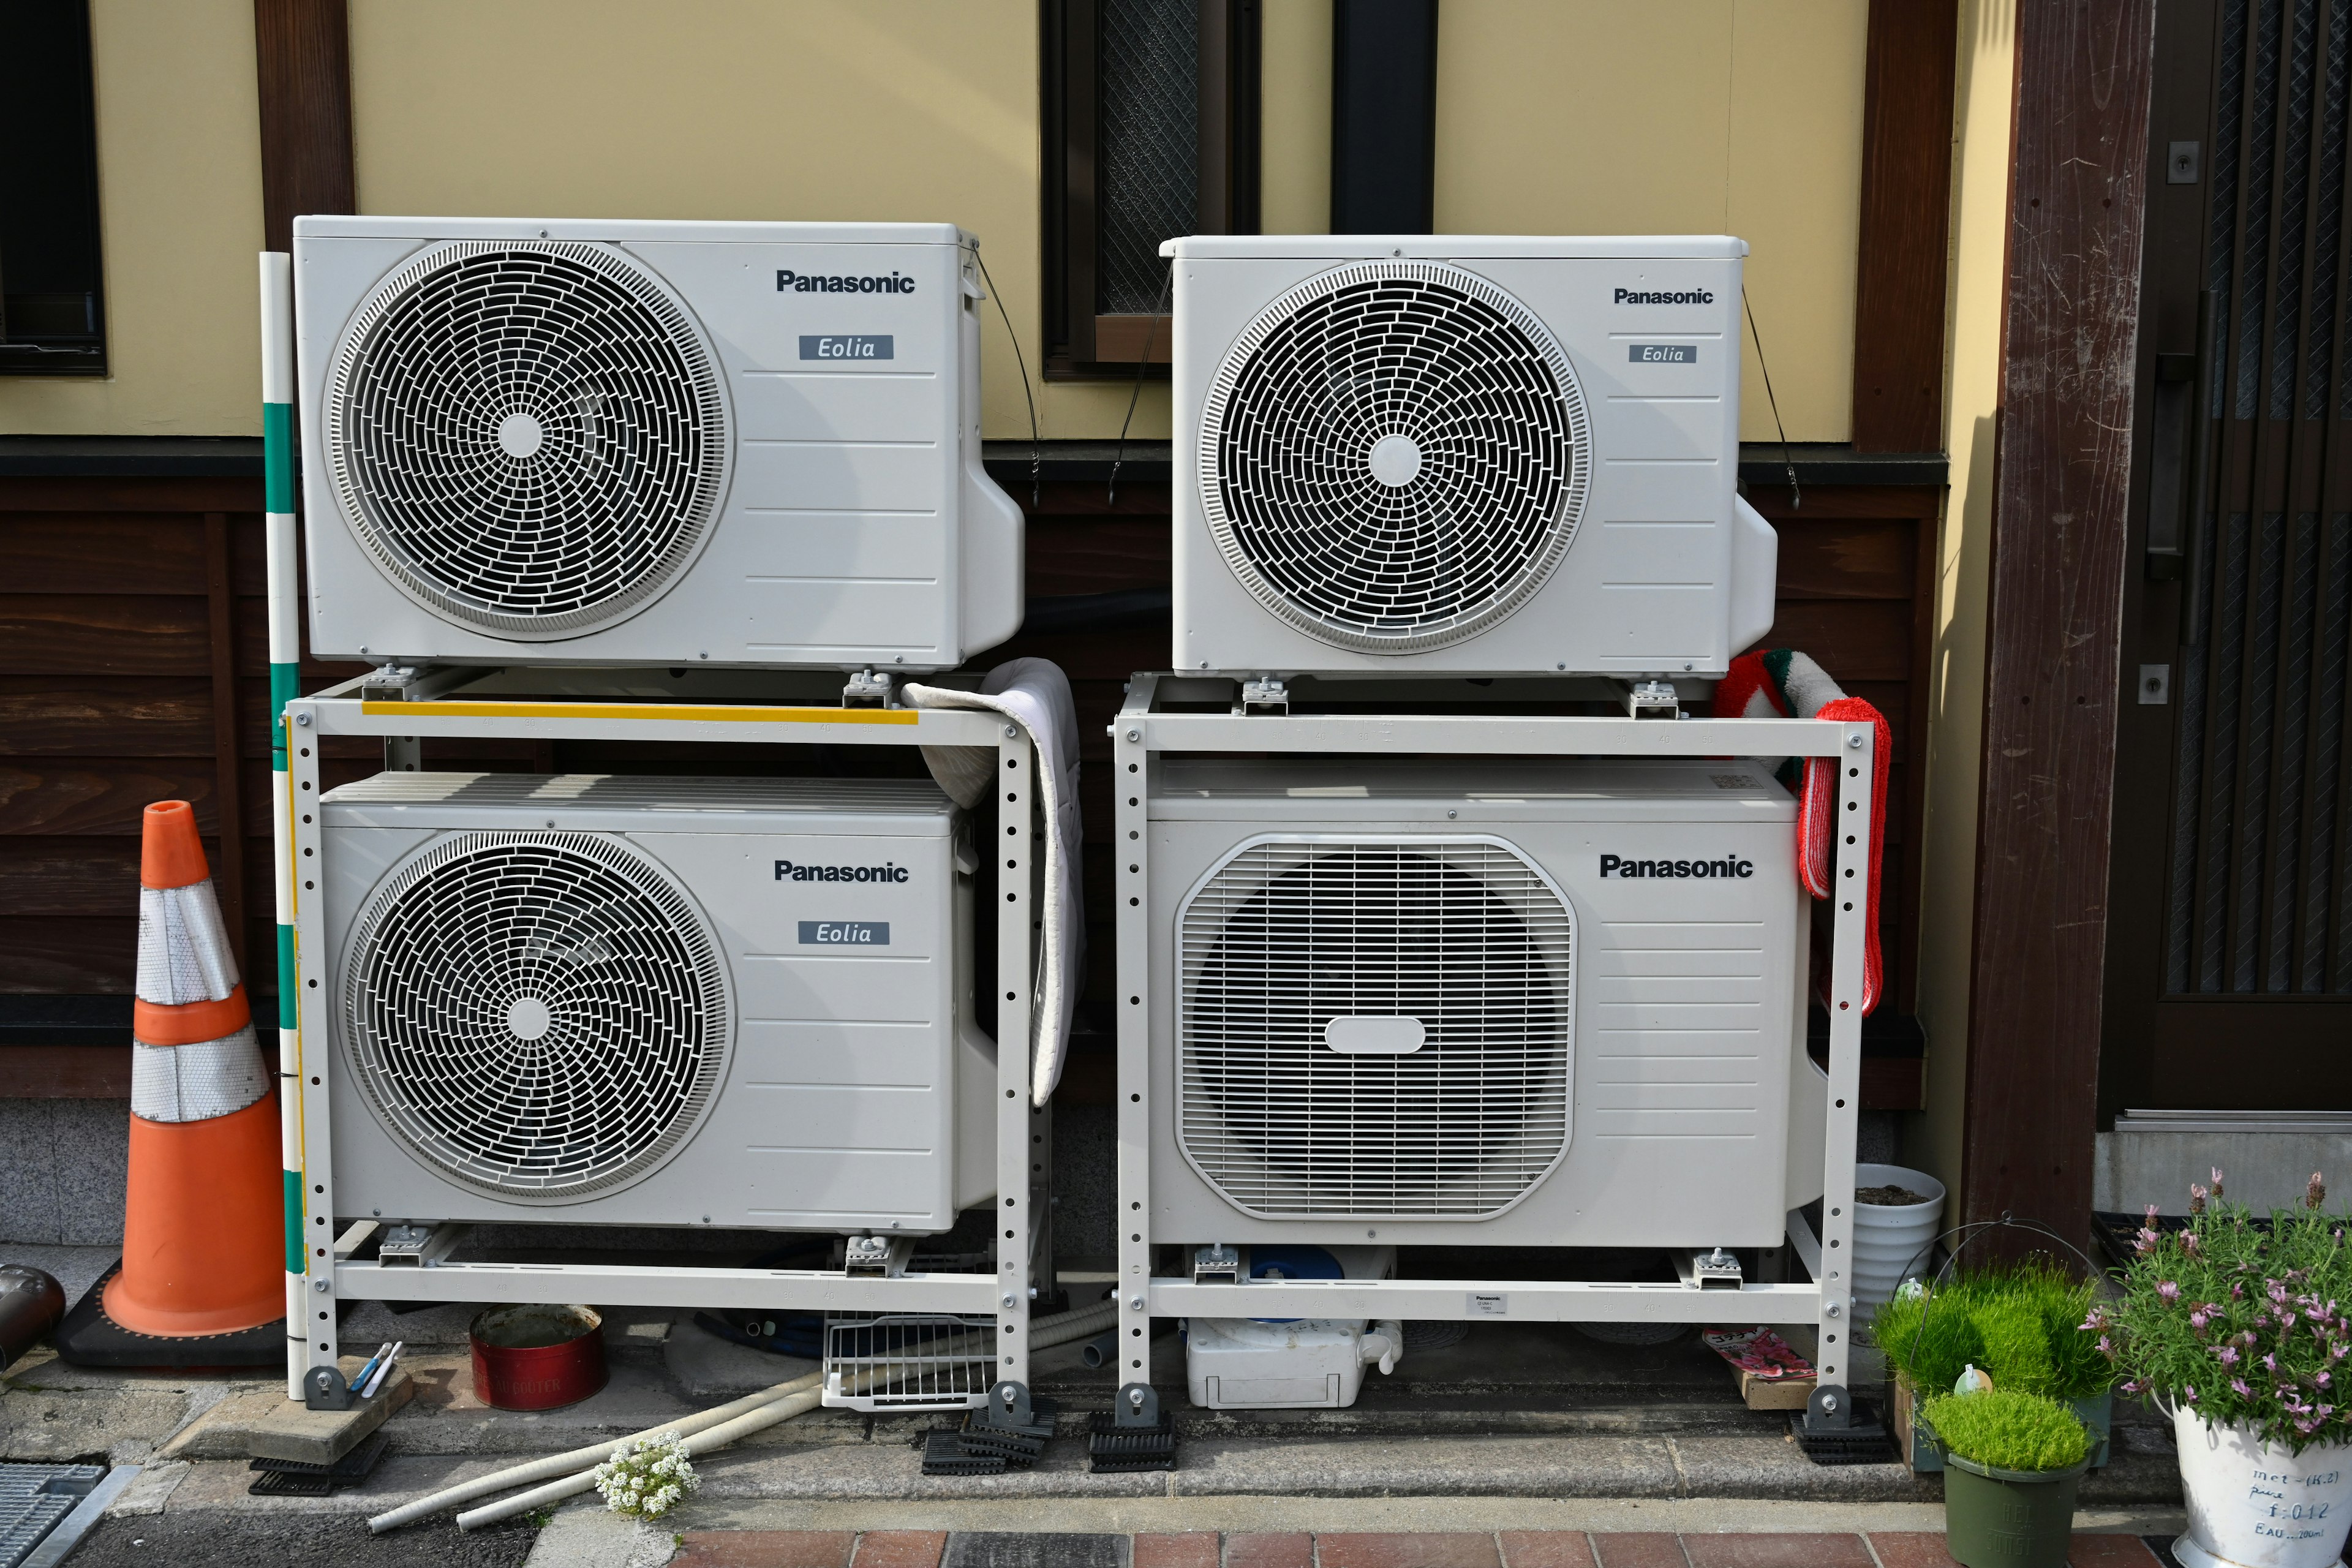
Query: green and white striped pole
point(285, 650)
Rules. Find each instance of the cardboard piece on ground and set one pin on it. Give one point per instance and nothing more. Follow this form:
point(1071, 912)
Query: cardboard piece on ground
point(1774, 1392)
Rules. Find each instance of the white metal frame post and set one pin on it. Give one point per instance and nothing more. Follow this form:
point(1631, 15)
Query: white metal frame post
point(1140, 735)
point(334, 1274)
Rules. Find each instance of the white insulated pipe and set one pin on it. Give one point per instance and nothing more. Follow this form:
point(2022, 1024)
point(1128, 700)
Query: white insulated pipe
point(709, 1430)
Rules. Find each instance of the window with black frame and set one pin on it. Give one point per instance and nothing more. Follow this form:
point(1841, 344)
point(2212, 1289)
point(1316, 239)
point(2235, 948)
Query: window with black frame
point(52, 309)
point(1150, 118)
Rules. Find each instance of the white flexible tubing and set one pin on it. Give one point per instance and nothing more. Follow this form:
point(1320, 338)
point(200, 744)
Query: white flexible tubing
point(594, 1454)
point(1044, 1334)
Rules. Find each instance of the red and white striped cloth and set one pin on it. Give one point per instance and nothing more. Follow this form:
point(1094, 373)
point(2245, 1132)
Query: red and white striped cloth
point(1783, 683)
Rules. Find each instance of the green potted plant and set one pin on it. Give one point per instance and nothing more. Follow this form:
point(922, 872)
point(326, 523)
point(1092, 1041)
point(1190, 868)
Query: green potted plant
point(2239, 1332)
point(2011, 1462)
point(2022, 1325)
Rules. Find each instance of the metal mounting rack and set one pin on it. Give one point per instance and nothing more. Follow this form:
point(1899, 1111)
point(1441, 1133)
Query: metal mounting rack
point(479, 708)
point(1143, 734)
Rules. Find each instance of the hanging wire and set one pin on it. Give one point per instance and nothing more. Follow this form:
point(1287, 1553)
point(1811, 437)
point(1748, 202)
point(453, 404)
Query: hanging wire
point(1796, 498)
point(1159, 309)
point(1036, 484)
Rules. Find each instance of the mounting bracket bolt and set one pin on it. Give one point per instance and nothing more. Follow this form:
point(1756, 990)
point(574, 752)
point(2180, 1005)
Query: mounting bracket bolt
point(1008, 1301)
point(303, 719)
point(1135, 1304)
point(1853, 742)
point(320, 1286)
point(1134, 734)
point(1830, 1403)
point(1834, 1310)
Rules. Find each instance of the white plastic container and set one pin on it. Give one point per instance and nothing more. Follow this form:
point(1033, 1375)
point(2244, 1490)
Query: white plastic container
point(1891, 1240)
point(1241, 1363)
point(2254, 1505)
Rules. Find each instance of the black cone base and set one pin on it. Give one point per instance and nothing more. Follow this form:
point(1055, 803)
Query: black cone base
point(90, 1338)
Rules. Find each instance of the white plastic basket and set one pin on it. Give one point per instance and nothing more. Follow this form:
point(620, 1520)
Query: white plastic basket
point(908, 1361)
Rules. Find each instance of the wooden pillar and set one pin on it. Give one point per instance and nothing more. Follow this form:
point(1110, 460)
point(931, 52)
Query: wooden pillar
point(302, 55)
point(228, 865)
point(1906, 194)
point(2070, 332)
point(1383, 116)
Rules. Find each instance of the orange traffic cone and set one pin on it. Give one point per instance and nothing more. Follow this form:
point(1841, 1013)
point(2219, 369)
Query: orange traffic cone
point(203, 1230)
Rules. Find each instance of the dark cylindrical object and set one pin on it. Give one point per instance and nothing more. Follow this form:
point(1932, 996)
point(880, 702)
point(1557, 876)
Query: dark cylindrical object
point(1101, 1350)
point(537, 1358)
point(31, 1304)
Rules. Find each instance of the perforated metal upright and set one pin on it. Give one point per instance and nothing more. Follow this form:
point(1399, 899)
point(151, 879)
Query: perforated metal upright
point(1023, 1140)
point(1143, 734)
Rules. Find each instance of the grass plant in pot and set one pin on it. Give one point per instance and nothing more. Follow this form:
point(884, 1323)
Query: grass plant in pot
point(2011, 1463)
point(2020, 1324)
point(2239, 1332)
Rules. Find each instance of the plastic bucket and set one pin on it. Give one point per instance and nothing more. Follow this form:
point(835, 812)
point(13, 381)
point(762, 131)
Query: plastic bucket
point(1891, 1240)
point(2253, 1503)
point(537, 1358)
point(2008, 1519)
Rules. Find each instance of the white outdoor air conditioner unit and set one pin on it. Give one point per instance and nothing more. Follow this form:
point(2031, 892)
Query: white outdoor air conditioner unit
point(533, 441)
point(1466, 1002)
point(1476, 455)
point(648, 1001)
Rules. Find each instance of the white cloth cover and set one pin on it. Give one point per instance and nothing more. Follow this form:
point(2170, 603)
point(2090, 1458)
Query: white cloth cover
point(1035, 694)
point(184, 951)
point(196, 1083)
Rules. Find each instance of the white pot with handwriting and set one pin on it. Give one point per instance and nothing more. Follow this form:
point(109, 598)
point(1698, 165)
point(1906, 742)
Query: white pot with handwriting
point(2253, 1504)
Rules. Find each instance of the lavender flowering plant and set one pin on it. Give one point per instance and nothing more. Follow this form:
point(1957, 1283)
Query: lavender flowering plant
point(2245, 1325)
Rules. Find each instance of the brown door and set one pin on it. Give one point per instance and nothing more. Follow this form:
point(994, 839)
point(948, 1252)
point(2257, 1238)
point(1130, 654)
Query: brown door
point(2229, 980)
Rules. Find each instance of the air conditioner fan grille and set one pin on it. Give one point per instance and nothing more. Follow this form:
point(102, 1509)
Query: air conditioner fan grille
point(536, 1015)
point(1394, 456)
point(1464, 937)
point(531, 439)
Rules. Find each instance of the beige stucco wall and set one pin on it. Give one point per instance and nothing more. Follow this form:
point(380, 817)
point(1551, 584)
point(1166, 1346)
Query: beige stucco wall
point(1552, 118)
point(925, 111)
point(1980, 170)
point(1739, 117)
point(180, 214)
point(1294, 117)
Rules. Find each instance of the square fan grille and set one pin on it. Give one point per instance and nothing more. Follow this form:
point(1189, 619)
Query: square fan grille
point(1375, 1027)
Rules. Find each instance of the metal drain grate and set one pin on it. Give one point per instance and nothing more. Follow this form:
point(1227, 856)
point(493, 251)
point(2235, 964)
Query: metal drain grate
point(34, 1498)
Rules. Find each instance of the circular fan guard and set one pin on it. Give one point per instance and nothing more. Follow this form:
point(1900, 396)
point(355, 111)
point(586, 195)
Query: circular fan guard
point(1394, 456)
point(531, 439)
point(538, 1015)
point(1467, 937)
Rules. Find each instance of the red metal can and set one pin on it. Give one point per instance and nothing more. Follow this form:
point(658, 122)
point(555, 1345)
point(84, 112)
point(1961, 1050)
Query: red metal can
point(537, 1358)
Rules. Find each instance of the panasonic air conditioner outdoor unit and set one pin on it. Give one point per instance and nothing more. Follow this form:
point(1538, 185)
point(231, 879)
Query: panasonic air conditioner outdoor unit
point(1481, 456)
point(648, 1001)
point(1465, 1001)
point(556, 442)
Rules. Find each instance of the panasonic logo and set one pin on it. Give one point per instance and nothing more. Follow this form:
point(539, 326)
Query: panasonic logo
point(814, 283)
point(787, 872)
point(1685, 297)
point(1613, 866)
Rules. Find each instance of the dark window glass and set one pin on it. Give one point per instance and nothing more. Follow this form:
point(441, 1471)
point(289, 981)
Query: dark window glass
point(1150, 145)
point(52, 315)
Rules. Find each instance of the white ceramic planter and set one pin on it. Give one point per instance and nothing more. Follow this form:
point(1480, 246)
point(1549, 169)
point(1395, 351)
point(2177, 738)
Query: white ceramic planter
point(2254, 1505)
point(1888, 1238)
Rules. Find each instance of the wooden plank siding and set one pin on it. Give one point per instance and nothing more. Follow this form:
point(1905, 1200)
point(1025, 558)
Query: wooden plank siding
point(110, 678)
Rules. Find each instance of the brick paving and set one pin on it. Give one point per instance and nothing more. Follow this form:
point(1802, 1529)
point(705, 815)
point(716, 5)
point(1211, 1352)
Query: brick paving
point(1206, 1549)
